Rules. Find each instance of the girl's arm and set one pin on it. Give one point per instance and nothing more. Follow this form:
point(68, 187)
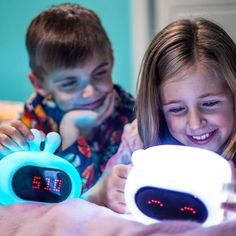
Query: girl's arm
point(130, 142)
point(109, 190)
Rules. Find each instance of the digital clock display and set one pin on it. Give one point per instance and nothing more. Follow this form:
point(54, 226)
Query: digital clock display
point(164, 204)
point(41, 184)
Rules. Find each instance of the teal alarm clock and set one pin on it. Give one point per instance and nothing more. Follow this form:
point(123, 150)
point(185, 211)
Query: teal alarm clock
point(38, 175)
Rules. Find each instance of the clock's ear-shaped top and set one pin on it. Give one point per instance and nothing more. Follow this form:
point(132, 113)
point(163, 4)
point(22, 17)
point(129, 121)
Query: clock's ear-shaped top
point(38, 175)
point(52, 141)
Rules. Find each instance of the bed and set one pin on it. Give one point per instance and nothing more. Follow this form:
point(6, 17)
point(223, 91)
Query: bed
point(78, 217)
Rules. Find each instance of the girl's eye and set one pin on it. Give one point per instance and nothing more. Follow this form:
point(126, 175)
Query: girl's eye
point(210, 103)
point(176, 110)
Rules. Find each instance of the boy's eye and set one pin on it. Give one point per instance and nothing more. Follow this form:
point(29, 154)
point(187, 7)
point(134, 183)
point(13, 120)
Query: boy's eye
point(68, 84)
point(101, 73)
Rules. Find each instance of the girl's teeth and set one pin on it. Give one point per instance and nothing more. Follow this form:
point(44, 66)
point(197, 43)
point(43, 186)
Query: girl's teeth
point(202, 137)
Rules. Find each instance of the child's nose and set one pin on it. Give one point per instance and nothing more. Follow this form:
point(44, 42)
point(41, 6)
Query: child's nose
point(195, 120)
point(89, 91)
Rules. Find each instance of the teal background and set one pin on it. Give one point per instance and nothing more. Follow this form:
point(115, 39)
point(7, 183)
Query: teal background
point(15, 17)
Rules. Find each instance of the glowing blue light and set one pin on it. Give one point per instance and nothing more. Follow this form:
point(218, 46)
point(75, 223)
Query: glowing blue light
point(35, 160)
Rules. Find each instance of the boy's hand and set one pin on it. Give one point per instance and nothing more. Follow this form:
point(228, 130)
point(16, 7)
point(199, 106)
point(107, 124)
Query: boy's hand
point(13, 137)
point(82, 122)
point(109, 190)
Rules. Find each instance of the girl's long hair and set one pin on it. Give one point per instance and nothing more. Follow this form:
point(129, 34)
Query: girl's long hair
point(174, 50)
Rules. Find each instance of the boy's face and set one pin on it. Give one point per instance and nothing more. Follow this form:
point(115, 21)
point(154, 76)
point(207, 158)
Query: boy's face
point(83, 87)
point(199, 109)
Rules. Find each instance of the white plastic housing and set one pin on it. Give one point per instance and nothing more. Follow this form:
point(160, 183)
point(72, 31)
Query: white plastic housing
point(199, 172)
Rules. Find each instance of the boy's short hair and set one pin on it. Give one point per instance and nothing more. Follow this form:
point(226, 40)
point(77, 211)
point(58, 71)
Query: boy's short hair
point(64, 36)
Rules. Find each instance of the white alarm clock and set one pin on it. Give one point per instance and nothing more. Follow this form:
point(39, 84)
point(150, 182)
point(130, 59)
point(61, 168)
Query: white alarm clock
point(38, 175)
point(170, 182)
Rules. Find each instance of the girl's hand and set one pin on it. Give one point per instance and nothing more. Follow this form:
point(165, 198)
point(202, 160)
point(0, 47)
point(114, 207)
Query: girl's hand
point(82, 122)
point(230, 205)
point(13, 137)
point(109, 190)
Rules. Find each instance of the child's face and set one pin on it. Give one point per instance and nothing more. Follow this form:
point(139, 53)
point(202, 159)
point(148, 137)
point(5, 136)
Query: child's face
point(199, 109)
point(83, 87)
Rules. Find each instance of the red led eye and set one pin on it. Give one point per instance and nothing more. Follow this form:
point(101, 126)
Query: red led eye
point(189, 209)
point(155, 202)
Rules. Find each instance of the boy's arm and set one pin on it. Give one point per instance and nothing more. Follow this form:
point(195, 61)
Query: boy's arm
point(83, 122)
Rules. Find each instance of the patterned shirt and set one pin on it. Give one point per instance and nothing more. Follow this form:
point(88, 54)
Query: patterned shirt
point(91, 155)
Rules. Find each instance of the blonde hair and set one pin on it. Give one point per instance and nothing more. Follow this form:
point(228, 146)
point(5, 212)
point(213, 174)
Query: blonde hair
point(176, 48)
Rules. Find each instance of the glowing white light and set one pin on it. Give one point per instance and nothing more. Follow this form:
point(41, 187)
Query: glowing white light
point(195, 171)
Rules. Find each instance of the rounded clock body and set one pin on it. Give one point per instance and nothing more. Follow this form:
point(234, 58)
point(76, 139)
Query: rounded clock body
point(38, 175)
point(169, 182)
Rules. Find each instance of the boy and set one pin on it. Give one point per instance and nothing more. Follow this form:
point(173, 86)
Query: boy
point(71, 59)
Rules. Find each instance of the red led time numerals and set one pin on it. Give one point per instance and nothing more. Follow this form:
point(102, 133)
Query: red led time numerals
point(36, 182)
point(57, 185)
point(51, 185)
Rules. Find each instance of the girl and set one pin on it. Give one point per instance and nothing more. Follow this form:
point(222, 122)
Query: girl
point(186, 95)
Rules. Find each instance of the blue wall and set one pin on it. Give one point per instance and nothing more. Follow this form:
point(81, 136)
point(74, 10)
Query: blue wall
point(15, 17)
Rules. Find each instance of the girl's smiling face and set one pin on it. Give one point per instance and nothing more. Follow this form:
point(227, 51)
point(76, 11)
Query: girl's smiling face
point(199, 109)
